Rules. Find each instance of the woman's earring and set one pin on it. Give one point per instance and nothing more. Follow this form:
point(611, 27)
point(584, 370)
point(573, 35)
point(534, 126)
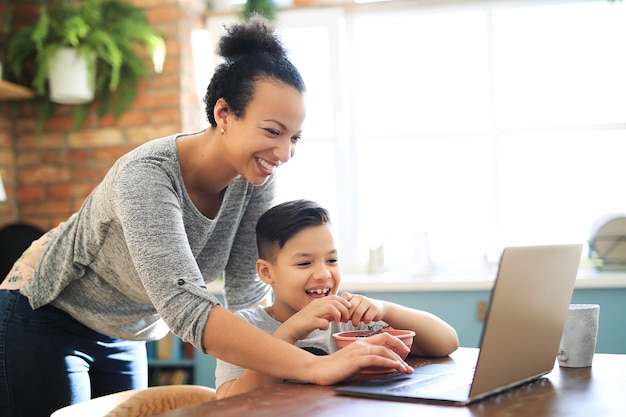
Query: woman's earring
point(222, 131)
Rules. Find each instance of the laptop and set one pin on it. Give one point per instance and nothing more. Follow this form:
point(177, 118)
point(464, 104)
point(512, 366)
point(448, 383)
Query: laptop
point(520, 339)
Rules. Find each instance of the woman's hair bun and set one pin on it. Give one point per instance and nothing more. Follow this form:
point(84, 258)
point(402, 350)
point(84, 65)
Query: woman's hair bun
point(252, 51)
point(256, 35)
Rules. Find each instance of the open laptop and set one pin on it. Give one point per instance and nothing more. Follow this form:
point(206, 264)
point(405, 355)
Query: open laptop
point(520, 338)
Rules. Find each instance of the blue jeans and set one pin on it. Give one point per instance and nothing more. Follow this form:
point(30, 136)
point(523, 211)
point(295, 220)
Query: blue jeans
point(49, 360)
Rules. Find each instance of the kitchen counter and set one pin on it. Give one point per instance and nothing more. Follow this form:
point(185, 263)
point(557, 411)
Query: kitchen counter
point(393, 282)
point(396, 282)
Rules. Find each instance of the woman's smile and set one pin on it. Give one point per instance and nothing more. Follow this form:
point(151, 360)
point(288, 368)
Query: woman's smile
point(266, 166)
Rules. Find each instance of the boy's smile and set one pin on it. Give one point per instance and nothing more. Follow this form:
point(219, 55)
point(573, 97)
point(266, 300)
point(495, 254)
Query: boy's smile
point(319, 292)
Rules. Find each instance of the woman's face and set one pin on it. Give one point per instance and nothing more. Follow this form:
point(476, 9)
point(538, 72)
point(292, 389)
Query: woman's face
point(266, 136)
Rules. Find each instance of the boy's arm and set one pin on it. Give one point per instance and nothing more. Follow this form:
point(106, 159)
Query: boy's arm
point(247, 381)
point(433, 336)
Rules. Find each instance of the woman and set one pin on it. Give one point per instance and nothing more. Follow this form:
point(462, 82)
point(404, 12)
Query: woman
point(170, 216)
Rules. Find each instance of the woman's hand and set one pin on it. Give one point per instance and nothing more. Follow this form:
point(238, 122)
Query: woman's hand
point(364, 309)
point(377, 350)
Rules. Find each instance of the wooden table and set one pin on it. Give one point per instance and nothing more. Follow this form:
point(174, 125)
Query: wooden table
point(598, 391)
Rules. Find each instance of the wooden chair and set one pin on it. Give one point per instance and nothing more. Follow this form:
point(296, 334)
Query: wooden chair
point(140, 402)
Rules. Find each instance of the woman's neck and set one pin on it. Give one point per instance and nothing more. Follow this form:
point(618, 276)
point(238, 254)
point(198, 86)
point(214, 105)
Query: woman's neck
point(205, 174)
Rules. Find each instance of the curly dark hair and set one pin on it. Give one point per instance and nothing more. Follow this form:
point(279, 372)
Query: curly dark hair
point(251, 51)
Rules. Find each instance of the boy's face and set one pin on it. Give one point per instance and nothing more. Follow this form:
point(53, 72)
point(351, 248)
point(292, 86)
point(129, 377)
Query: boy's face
point(307, 267)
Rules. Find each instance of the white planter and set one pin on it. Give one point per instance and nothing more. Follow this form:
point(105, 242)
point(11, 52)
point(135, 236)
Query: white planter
point(71, 77)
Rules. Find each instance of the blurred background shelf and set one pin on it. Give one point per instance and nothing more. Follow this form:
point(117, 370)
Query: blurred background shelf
point(11, 91)
point(171, 362)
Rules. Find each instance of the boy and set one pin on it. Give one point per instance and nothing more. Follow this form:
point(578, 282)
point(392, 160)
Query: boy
point(298, 258)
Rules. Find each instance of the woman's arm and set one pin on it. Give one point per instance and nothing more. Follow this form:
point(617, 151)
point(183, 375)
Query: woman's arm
point(232, 339)
point(318, 314)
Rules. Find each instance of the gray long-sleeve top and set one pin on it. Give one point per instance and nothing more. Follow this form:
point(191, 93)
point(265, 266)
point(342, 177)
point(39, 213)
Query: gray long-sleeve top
point(136, 258)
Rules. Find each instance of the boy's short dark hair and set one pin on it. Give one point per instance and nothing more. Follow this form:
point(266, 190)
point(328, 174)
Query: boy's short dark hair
point(280, 223)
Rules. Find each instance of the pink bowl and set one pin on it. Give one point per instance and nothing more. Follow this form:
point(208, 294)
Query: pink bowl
point(343, 339)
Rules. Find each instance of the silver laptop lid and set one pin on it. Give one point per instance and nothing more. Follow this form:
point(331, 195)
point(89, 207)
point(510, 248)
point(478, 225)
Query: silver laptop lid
point(532, 300)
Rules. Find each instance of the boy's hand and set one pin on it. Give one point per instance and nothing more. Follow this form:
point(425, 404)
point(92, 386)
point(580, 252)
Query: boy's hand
point(364, 309)
point(316, 315)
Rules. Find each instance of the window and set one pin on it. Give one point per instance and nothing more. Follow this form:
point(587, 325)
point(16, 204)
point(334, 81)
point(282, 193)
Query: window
point(480, 124)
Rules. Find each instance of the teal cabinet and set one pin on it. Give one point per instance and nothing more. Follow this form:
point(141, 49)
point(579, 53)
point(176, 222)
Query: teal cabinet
point(461, 310)
point(205, 370)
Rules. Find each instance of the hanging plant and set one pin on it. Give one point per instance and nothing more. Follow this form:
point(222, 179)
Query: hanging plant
point(110, 30)
point(265, 8)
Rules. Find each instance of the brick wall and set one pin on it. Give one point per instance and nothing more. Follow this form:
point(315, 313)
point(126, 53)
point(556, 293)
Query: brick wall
point(47, 178)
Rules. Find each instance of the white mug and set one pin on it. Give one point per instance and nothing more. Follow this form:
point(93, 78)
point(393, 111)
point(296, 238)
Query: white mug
point(578, 342)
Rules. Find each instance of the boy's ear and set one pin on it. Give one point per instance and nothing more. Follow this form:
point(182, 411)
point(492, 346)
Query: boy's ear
point(263, 269)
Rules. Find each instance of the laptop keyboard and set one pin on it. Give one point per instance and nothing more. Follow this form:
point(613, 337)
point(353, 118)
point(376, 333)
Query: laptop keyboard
point(439, 383)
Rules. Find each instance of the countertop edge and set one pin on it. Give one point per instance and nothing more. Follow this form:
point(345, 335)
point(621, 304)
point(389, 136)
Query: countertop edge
point(400, 283)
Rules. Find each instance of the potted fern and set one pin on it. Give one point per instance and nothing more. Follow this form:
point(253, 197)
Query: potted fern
point(265, 8)
point(104, 35)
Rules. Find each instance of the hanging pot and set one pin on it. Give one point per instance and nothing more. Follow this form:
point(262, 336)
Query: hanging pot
point(71, 76)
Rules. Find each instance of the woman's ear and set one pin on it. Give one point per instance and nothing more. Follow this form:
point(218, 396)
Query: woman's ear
point(264, 270)
point(221, 112)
